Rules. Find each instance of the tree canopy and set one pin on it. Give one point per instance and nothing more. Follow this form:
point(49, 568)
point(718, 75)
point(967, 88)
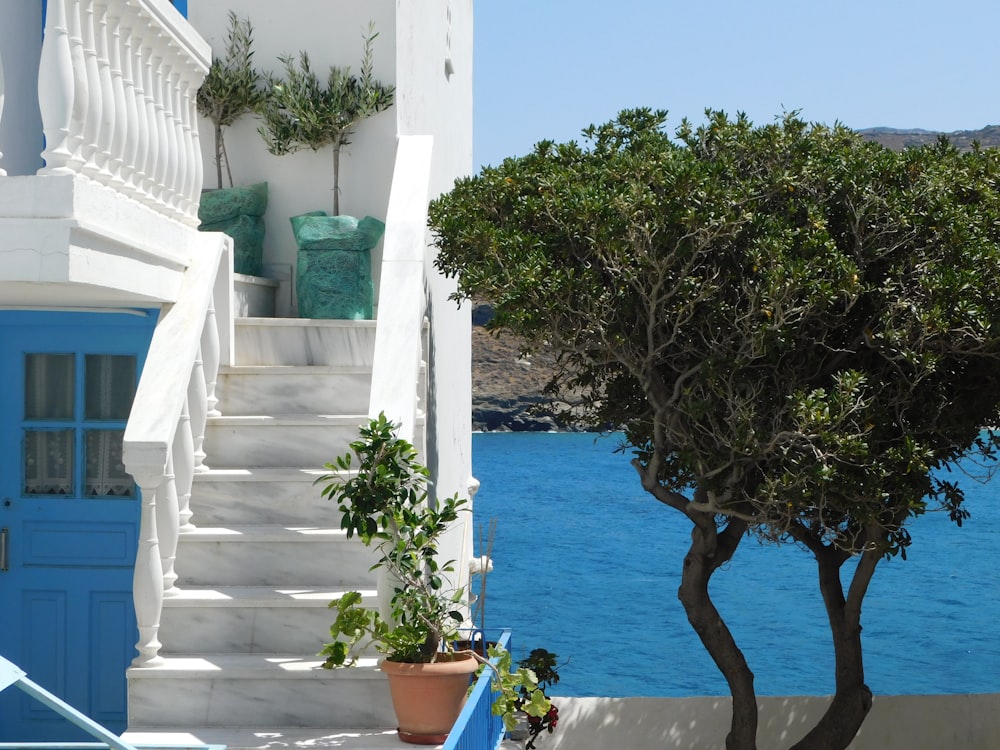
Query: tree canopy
point(798, 331)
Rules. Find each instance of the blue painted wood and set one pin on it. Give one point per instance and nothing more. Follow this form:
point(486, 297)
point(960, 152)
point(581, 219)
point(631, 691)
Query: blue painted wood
point(12, 675)
point(477, 727)
point(182, 6)
point(68, 618)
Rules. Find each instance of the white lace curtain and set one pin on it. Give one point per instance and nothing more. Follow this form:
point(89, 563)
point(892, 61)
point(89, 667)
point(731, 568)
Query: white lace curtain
point(51, 397)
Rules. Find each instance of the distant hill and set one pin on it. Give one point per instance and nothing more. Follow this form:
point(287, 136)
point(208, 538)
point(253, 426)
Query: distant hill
point(898, 139)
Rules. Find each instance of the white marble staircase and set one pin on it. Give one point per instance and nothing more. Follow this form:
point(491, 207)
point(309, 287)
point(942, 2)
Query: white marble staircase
point(266, 555)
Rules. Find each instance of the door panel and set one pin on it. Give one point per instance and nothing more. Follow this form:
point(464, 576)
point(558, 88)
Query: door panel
point(66, 613)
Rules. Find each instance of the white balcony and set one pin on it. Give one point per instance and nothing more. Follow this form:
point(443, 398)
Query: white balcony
point(100, 160)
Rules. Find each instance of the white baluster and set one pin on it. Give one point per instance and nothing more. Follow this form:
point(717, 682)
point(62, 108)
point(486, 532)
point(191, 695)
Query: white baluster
point(56, 90)
point(196, 160)
point(92, 121)
point(106, 135)
point(184, 468)
point(198, 404)
point(147, 581)
point(211, 355)
point(171, 194)
point(189, 196)
point(131, 170)
point(167, 525)
point(147, 142)
point(3, 172)
point(161, 155)
point(120, 104)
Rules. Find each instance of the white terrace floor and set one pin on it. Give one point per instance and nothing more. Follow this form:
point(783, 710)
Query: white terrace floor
point(236, 738)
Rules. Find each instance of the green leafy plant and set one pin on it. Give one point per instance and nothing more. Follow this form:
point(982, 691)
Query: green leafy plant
point(300, 112)
point(385, 503)
point(520, 691)
point(232, 88)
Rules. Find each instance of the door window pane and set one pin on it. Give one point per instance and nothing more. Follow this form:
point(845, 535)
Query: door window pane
point(109, 386)
point(48, 462)
point(105, 473)
point(48, 386)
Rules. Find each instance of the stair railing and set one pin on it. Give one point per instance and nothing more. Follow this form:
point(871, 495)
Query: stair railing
point(162, 447)
point(402, 296)
point(477, 727)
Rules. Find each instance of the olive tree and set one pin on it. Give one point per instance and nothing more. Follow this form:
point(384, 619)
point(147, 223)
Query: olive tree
point(798, 332)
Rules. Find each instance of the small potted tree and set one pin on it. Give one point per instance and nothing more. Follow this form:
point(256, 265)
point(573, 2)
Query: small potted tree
point(333, 274)
point(385, 503)
point(232, 89)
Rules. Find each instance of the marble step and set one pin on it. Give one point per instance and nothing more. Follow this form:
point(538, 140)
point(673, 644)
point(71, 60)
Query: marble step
point(268, 738)
point(257, 690)
point(264, 495)
point(289, 440)
point(298, 341)
point(291, 389)
point(250, 619)
point(280, 556)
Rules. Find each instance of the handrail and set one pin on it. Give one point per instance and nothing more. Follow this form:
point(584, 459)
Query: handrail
point(402, 300)
point(477, 727)
point(166, 427)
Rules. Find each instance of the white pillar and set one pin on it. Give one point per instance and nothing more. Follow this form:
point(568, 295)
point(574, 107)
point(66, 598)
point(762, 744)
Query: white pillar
point(183, 453)
point(56, 89)
point(147, 582)
point(167, 526)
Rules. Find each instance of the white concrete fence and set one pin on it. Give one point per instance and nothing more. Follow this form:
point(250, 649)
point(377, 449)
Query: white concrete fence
point(896, 722)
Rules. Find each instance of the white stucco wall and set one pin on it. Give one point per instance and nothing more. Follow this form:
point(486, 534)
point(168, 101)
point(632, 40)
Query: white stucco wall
point(21, 140)
point(434, 83)
point(896, 722)
point(331, 31)
point(424, 48)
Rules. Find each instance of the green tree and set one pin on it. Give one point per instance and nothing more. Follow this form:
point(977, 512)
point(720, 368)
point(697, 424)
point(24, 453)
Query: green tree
point(797, 330)
point(301, 112)
point(233, 88)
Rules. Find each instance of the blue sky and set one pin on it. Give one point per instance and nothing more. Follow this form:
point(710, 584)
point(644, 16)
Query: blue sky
point(548, 68)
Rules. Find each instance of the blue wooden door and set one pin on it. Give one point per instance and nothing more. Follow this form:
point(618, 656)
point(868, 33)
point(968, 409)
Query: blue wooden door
point(69, 514)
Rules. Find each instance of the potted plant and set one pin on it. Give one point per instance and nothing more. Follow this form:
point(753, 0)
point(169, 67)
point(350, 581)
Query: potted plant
point(384, 501)
point(231, 89)
point(333, 270)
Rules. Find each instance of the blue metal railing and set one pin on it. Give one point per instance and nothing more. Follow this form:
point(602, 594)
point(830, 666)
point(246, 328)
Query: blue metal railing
point(12, 675)
point(477, 728)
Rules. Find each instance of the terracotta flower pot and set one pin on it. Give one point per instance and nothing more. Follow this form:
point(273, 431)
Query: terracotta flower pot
point(428, 697)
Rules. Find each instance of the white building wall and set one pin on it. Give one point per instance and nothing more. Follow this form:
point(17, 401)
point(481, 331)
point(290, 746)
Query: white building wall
point(21, 141)
point(896, 722)
point(434, 89)
point(331, 31)
point(424, 48)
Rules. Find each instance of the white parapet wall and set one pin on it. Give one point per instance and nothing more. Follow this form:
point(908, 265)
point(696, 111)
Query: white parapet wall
point(896, 722)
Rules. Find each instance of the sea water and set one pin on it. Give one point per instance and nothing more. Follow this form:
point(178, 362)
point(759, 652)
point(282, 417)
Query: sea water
point(587, 565)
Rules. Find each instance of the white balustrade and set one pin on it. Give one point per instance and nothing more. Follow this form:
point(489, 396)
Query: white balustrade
point(164, 436)
point(117, 87)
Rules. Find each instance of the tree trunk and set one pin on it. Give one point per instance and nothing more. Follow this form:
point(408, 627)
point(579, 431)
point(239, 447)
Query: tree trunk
point(218, 155)
point(703, 558)
point(853, 699)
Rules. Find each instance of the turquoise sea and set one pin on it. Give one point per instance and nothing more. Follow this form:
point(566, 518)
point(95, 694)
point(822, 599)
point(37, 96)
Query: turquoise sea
point(587, 566)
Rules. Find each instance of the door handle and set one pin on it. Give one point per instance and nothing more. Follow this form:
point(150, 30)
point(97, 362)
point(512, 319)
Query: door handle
point(4, 534)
